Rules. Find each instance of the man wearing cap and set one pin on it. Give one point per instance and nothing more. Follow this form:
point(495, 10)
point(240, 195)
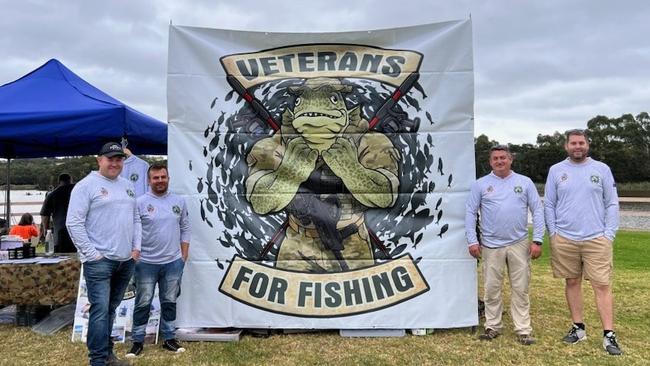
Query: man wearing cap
point(165, 245)
point(104, 225)
point(581, 208)
point(504, 198)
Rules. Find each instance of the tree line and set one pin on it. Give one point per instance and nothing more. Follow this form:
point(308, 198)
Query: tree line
point(43, 173)
point(623, 143)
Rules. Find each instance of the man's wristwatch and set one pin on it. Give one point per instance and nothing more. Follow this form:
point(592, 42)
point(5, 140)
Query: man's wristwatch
point(537, 242)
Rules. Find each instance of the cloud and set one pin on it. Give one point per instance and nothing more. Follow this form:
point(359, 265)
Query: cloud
point(540, 66)
point(557, 106)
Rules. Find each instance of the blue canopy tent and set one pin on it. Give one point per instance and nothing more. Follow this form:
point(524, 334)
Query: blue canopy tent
point(53, 112)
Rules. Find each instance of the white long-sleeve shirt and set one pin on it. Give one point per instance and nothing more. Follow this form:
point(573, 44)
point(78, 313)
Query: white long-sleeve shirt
point(581, 201)
point(165, 225)
point(135, 171)
point(103, 218)
point(504, 204)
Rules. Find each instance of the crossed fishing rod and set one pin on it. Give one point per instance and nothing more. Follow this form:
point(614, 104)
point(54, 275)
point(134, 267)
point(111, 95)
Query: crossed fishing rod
point(264, 114)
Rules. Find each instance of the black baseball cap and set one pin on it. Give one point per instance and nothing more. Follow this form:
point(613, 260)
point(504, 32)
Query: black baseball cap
point(112, 149)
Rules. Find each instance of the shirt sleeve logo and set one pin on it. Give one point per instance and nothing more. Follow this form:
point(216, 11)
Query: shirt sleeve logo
point(134, 177)
point(129, 191)
point(595, 179)
point(176, 209)
point(518, 189)
point(150, 208)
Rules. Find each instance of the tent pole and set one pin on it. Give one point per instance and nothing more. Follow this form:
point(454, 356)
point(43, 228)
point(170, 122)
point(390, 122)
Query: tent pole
point(8, 192)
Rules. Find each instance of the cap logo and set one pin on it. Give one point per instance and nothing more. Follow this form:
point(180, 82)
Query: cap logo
point(111, 148)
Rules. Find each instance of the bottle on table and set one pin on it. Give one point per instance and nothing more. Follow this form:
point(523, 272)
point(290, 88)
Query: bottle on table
point(49, 243)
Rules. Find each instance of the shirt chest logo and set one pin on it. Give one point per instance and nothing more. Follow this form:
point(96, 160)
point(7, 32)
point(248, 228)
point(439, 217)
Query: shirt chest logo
point(134, 177)
point(130, 192)
point(103, 191)
point(518, 189)
point(490, 189)
point(176, 210)
point(564, 177)
point(150, 208)
point(595, 179)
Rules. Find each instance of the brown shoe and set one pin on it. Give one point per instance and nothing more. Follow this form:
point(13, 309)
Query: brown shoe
point(526, 339)
point(489, 334)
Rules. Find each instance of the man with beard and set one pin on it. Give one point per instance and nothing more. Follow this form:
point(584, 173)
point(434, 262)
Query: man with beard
point(581, 208)
point(104, 225)
point(165, 246)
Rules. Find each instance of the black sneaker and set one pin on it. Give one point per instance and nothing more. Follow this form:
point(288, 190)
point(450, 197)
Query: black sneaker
point(489, 334)
point(575, 335)
point(610, 345)
point(135, 351)
point(173, 345)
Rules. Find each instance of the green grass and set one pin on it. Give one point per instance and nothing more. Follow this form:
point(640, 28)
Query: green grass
point(629, 186)
point(630, 189)
point(631, 251)
point(634, 186)
point(445, 347)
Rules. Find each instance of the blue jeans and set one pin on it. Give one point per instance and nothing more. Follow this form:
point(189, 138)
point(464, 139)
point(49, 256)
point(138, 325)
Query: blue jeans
point(106, 281)
point(168, 277)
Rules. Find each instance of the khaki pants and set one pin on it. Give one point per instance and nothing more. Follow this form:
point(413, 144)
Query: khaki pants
point(516, 258)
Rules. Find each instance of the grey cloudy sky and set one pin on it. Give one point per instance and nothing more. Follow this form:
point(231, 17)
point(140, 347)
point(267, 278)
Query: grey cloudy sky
point(540, 66)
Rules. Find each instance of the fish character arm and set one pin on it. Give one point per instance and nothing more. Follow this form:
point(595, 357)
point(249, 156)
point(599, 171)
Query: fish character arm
point(276, 171)
point(369, 168)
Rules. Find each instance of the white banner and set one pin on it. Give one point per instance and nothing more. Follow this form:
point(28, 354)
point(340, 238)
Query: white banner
point(325, 175)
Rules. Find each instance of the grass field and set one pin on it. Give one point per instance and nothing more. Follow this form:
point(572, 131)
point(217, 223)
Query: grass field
point(445, 347)
point(629, 189)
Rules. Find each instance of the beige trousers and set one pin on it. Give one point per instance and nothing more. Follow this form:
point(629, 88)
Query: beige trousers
point(516, 259)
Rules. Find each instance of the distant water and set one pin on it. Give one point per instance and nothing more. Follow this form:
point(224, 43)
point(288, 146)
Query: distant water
point(633, 215)
point(21, 202)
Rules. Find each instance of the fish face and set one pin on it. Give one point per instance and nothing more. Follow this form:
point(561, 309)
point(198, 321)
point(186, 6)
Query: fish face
point(319, 113)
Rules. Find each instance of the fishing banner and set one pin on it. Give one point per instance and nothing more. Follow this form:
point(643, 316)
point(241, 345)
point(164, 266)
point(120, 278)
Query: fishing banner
point(325, 175)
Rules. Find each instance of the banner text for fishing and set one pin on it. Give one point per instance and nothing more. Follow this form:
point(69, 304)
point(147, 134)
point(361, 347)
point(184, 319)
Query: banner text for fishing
point(326, 294)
